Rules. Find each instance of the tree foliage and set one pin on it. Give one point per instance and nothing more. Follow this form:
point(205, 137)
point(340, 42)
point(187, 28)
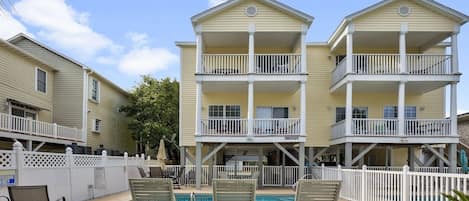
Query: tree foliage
point(459, 196)
point(153, 110)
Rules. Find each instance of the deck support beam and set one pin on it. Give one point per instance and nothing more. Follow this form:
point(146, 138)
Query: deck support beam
point(213, 152)
point(363, 153)
point(430, 161)
point(287, 153)
point(39, 146)
point(437, 154)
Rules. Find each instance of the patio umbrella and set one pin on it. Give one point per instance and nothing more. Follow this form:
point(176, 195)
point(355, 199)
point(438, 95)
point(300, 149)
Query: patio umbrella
point(161, 156)
point(463, 161)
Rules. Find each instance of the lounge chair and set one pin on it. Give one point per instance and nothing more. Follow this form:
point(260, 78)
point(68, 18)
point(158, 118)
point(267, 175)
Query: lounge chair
point(156, 172)
point(29, 193)
point(234, 189)
point(311, 190)
point(152, 189)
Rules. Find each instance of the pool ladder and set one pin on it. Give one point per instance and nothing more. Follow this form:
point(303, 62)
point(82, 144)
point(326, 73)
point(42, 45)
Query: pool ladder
point(192, 197)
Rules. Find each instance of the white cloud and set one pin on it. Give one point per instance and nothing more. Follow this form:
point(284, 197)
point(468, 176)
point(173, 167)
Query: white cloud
point(9, 26)
point(59, 23)
point(146, 60)
point(138, 39)
point(212, 3)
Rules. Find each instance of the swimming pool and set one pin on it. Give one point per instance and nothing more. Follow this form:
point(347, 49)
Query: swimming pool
point(208, 197)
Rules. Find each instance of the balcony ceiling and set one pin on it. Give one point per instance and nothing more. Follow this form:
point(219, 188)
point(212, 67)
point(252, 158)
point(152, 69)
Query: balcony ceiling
point(267, 86)
point(419, 41)
point(241, 40)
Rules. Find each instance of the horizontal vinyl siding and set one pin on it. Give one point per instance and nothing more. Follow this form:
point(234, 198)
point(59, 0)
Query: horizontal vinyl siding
point(115, 134)
point(188, 95)
point(17, 81)
point(68, 85)
point(267, 19)
point(388, 19)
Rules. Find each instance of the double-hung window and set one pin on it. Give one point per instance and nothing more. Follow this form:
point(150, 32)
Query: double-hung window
point(95, 90)
point(41, 80)
point(391, 112)
point(224, 118)
point(357, 113)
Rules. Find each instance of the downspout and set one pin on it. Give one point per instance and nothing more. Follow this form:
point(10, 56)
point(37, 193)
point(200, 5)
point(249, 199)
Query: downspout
point(86, 73)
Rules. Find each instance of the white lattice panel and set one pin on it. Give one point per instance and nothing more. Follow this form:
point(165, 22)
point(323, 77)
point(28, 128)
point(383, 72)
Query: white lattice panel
point(44, 160)
point(7, 160)
point(86, 161)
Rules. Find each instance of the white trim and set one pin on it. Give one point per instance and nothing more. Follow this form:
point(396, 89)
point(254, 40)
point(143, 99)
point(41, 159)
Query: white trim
point(396, 140)
point(251, 77)
point(85, 106)
point(35, 80)
point(251, 139)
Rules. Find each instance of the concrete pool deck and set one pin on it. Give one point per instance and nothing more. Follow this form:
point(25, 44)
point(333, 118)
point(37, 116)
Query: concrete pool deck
point(125, 196)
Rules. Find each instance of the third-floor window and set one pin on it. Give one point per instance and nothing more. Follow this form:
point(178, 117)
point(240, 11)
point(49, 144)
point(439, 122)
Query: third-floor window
point(95, 90)
point(41, 80)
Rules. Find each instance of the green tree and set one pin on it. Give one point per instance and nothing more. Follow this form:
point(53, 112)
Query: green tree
point(459, 196)
point(153, 111)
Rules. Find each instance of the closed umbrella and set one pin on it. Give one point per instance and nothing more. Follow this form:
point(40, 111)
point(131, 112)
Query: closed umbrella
point(463, 161)
point(161, 156)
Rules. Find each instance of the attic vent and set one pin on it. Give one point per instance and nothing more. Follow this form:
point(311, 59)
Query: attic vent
point(251, 11)
point(404, 11)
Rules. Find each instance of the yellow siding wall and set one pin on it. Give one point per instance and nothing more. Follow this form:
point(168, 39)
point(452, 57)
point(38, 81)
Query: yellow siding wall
point(114, 134)
point(68, 85)
point(388, 19)
point(17, 81)
point(267, 19)
point(187, 98)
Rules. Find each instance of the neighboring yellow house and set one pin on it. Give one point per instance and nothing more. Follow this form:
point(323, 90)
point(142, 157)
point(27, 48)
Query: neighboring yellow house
point(375, 91)
point(50, 100)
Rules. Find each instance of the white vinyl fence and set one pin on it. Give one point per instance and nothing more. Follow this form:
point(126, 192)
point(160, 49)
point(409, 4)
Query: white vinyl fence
point(394, 185)
point(75, 177)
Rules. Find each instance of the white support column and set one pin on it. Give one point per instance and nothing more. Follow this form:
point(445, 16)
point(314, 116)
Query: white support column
point(303, 108)
point(199, 50)
point(349, 56)
point(454, 50)
point(454, 109)
point(348, 109)
point(348, 154)
point(301, 160)
point(198, 165)
point(401, 108)
point(303, 49)
point(252, 30)
point(198, 109)
point(452, 157)
point(250, 108)
point(411, 157)
point(260, 165)
point(402, 48)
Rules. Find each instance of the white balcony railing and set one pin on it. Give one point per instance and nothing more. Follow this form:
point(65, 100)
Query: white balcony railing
point(389, 64)
point(20, 125)
point(239, 127)
point(224, 127)
point(277, 126)
point(390, 127)
point(236, 64)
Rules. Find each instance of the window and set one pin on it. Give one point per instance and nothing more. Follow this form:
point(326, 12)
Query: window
point(390, 112)
point(357, 112)
point(95, 90)
point(41, 80)
point(97, 125)
point(21, 112)
point(224, 111)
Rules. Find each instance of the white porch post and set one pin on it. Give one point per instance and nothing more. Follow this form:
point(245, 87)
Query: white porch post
point(452, 157)
point(301, 160)
point(303, 49)
point(349, 56)
point(199, 50)
point(401, 108)
point(348, 109)
point(454, 50)
point(252, 30)
point(303, 108)
point(454, 109)
point(198, 165)
point(250, 108)
point(402, 48)
point(198, 109)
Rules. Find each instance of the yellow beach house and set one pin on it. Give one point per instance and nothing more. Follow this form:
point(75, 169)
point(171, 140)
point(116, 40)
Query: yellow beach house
point(253, 90)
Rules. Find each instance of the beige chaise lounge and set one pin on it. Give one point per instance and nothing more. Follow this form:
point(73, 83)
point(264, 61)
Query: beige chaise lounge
point(152, 189)
point(312, 190)
point(234, 189)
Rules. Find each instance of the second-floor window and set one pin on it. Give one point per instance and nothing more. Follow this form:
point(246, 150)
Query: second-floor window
point(224, 111)
point(357, 112)
point(97, 125)
point(41, 80)
point(95, 90)
point(391, 112)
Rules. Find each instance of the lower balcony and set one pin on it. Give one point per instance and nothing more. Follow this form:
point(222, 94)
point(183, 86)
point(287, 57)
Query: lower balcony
point(387, 131)
point(28, 129)
point(263, 130)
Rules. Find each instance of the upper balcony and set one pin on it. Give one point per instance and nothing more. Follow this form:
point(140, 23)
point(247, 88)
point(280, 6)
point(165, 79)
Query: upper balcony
point(28, 129)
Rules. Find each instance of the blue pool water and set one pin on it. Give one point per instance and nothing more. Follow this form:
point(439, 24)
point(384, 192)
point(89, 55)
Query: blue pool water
point(208, 197)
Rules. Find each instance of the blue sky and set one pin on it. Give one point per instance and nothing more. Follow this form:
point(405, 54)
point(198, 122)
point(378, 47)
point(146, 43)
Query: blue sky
point(109, 34)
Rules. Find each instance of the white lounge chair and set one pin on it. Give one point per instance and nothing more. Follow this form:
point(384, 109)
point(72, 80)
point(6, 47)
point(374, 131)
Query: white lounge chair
point(312, 190)
point(154, 189)
point(234, 189)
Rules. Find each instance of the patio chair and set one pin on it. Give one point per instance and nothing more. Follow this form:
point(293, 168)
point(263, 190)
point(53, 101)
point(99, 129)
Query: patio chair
point(29, 193)
point(156, 172)
point(311, 190)
point(152, 189)
point(177, 177)
point(142, 172)
point(234, 189)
